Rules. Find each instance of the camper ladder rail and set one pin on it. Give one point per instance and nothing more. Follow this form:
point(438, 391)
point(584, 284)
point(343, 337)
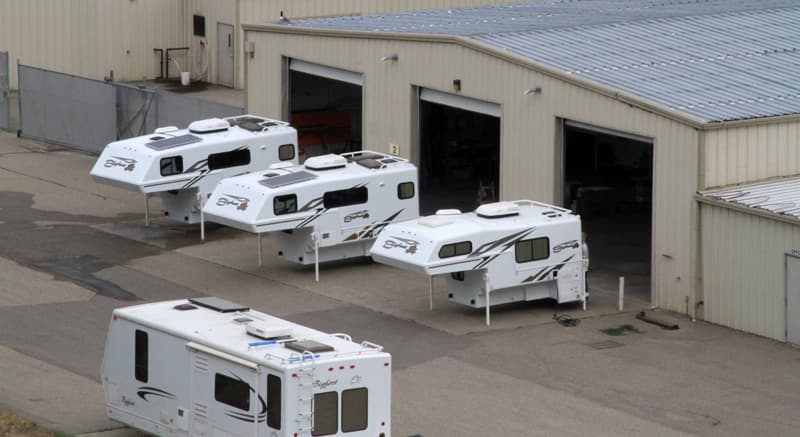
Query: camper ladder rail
point(305, 394)
point(543, 205)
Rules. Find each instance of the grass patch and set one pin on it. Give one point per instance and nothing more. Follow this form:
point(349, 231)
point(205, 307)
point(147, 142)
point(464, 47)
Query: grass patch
point(12, 425)
point(620, 330)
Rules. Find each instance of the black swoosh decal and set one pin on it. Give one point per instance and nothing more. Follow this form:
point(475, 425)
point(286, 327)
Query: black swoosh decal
point(143, 392)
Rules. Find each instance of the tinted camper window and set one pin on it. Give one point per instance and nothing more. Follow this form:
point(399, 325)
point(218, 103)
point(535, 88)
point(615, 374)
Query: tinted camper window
point(405, 190)
point(350, 196)
point(172, 165)
point(326, 413)
point(273, 402)
point(140, 356)
point(286, 152)
point(455, 249)
point(532, 250)
point(354, 410)
point(232, 392)
point(284, 204)
point(233, 158)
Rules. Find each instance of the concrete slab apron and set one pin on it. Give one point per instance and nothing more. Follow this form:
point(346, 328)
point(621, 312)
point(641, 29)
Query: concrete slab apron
point(388, 290)
point(24, 286)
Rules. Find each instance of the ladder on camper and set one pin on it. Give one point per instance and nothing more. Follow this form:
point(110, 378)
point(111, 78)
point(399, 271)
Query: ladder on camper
point(305, 394)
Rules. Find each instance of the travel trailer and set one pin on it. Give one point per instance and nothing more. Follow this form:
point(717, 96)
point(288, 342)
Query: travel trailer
point(331, 207)
point(210, 367)
point(503, 252)
point(183, 165)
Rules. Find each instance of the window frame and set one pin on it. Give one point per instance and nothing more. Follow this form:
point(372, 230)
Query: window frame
point(176, 163)
point(360, 196)
point(533, 254)
point(399, 190)
point(455, 249)
point(282, 147)
point(228, 160)
point(228, 401)
point(271, 407)
point(141, 357)
point(365, 412)
point(334, 395)
point(283, 198)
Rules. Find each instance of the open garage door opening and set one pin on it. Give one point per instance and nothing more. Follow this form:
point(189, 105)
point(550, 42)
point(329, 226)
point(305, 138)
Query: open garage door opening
point(325, 106)
point(459, 154)
point(608, 180)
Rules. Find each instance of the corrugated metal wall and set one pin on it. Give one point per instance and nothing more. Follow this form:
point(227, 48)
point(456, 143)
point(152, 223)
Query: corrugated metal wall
point(91, 37)
point(743, 271)
point(751, 153)
point(528, 125)
point(204, 59)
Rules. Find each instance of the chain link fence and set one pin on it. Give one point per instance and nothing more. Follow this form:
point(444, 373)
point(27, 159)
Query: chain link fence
point(5, 93)
point(87, 114)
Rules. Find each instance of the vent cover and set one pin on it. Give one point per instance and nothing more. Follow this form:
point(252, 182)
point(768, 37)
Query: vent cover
point(218, 304)
point(308, 345)
point(325, 162)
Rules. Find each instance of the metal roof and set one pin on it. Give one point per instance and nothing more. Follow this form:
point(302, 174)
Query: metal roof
point(717, 60)
point(780, 197)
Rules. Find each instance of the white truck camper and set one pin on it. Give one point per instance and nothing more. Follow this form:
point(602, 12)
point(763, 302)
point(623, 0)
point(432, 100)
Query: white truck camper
point(210, 367)
point(503, 252)
point(332, 207)
point(181, 166)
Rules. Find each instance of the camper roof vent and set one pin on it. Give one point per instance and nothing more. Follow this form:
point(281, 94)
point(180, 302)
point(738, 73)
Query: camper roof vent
point(497, 210)
point(278, 165)
point(308, 345)
point(218, 304)
point(325, 162)
point(448, 212)
point(165, 129)
point(433, 221)
point(208, 126)
point(268, 332)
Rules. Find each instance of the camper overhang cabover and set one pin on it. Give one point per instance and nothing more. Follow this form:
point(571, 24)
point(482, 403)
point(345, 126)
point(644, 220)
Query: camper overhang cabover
point(210, 366)
point(503, 252)
point(179, 164)
point(331, 207)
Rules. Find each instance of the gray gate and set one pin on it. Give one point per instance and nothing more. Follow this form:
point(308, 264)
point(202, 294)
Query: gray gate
point(5, 109)
point(88, 114)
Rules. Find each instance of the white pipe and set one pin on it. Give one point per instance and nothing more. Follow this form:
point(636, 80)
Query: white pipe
point(147, 210)
point(202, 218)
point(430, 294)
point(260, 262)
point(621, 304)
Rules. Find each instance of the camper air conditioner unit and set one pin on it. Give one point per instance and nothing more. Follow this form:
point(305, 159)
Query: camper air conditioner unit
point(325, 162)
point(209, 125)
point(498, 209)
point(267, 332)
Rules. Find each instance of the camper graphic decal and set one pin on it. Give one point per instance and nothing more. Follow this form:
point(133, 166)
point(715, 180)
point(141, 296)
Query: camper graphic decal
point(566, 245)
point(403, 243)
point(239, 202)
point(202, 167)
point(374, 228)
point(541, 274)
point(246, 417)
point(507, 242)
point(322, 385)
point(128, 164)
point(144, 392)
point(356, 215)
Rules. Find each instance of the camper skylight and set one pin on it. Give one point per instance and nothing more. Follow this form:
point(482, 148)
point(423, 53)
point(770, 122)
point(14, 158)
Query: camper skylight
point(182, 166)
point(504, 252)
point(203, 372)
point(319, 212)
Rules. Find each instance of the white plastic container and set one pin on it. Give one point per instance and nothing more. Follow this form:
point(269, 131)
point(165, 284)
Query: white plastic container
point(185, 78)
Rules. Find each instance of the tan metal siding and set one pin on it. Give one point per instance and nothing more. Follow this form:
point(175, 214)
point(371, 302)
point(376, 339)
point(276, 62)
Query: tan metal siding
point(743, 271)
point(215, 11)
point(745, 154)
point(528, 125)
point(90, 37)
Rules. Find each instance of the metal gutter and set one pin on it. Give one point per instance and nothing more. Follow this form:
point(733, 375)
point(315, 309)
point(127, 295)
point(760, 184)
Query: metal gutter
point(604, 90)
point(746, 209)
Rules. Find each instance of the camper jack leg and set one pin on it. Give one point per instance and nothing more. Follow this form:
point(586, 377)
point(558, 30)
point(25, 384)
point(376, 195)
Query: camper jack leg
point(147, 210)
point(202, 218)
point(430, 294)
point(315, 237)
point(260, 263)
point(488, 291)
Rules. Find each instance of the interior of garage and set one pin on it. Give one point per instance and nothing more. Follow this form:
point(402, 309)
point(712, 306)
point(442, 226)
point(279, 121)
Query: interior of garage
point(326, 113)
point(608, 180)
point(459, 158)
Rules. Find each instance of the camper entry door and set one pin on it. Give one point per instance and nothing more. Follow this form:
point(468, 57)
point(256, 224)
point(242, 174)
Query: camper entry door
point(224, 391)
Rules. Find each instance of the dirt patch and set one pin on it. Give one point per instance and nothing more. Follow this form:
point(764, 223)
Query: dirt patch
point(11, 425)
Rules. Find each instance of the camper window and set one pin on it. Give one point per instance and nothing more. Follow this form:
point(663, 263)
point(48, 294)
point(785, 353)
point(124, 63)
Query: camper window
point(232, 392)
point(350, 196)
point(228, 159)
point(326, 412)
point(405, 190)
point(286, 152)
point(455, 249)
point(273, 402)
point(140, 356)
point(284, 204)
point(532, 250)
point(172, 165)
point(354, 410)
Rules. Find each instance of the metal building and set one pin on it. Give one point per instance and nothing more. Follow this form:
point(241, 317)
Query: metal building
point(623, 110)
